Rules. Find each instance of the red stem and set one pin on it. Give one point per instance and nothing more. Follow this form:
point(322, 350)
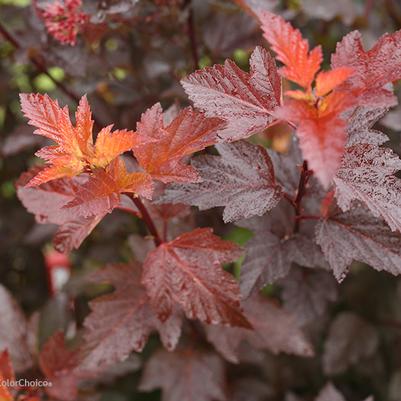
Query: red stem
point(147, 219)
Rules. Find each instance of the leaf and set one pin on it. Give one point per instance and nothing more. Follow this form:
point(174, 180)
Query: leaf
point(182, 375)
point(327, 81)
point(273, 248)
point(6, 373)
point(101, 193)
point(301, 65)
point(58, 364)
point(306, 293)
point(47, 203)
point(367, 175)
point(162, 150)
point(350, 339)
point(75, 151)
point(373, 69)
point(321, 132)
point(245, 101)
point(274, 330)
point(256, 6)
point(64, 20)
point(187, 272)
point(14, 332)
point(122, 321)
point(329, 393)
point(357, 235)
point(241, 179)
point(360, 125)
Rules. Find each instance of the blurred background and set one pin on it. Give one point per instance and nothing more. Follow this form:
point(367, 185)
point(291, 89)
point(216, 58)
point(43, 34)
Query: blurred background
point(126, 55)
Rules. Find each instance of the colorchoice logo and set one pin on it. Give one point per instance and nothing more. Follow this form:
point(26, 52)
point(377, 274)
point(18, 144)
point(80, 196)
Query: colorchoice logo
point(25, 383)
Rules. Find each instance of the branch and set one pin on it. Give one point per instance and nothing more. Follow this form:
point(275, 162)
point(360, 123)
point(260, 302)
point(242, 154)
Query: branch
point(191, 34)
point(41, 67)
point(147, 219)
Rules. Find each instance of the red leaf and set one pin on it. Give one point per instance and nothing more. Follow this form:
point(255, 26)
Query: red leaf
point(63, 20)
point(373, 69)
point(245, 101)
point(301, 65)
point(122, 321)
point(274, 330)
point(241, 179)
point(187, 272)
point(185, 375)
point(6, 373)
point(59, 364)
point(163, 150)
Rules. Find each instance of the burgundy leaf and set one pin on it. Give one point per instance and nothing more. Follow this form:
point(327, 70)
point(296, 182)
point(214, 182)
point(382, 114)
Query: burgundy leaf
point(245, 101)
point(357, 235)
point(306, 293)
point(14, 332)
point(350, 339)
point(185, 375)
point(329, 393)
point(122, 321)
point(241, 179)
point(274, 330)
point(274, 247)
point(367, 175)
point(187, 272)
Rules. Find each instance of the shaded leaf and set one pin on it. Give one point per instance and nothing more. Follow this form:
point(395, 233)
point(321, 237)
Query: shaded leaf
point(329, 393)
point(122, 321)
point(350, 339)
point(183, 376)
point(274, 330)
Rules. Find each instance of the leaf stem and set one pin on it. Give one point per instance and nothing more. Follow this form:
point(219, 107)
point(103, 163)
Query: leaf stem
point(147, 219)
point(303, 180)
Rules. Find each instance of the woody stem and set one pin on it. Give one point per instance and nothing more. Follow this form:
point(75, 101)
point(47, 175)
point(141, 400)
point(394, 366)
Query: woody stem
point(147, 219)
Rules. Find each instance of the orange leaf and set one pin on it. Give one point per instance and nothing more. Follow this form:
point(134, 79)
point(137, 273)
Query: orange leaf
point(75, 151)
point(162, 149)
point(6, 373)
point(301, 65)
point(327, 81)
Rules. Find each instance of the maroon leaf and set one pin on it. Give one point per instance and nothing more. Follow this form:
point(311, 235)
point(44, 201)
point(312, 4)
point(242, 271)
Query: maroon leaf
point(275, 330)
point(187, 272)
point(58, 364)
point(274, 247)
point(122, 321)
point(244, 101)
point(367, 175)
point(241, 179)
point(306, 293)
point(350, 339)
point(373, 69)
point(357, 235)
point(185, 375)
point(14, 332)
point(329, 393)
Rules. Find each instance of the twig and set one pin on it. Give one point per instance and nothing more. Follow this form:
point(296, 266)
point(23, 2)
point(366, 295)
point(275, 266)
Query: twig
point(41, 67)
point(191, 33)
point(147, 219)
